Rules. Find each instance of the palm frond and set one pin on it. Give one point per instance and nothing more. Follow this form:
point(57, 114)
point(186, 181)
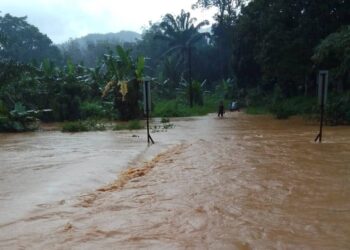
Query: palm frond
point(201, 24)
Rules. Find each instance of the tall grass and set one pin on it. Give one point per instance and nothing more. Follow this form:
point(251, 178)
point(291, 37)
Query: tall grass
point(131, 125)
point(177, 108)
point(257, 110)
point(284, 108)
point(83, 126)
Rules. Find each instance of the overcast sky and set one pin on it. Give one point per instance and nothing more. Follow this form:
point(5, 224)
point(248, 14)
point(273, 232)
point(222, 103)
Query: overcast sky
point(64, 19)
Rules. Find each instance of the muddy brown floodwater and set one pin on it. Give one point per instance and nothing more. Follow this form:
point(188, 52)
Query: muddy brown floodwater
point(242, 182)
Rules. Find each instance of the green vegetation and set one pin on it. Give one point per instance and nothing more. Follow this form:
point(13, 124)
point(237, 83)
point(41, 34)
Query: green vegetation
point(131, 125)
point(22, 42)
point(284, 108)
point(77, 126)
point(263, 54)
point(179, 108)
point(181, 34)
point(83, 126)
point(257, 110)
point(92, 110)
point(17, 120)
point(165, 120)
point(338, 109)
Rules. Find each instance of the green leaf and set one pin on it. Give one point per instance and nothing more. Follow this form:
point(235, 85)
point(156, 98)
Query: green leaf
point(140, 66)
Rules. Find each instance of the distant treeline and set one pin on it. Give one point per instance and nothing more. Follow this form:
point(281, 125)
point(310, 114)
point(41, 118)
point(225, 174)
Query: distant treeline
point(260, 52)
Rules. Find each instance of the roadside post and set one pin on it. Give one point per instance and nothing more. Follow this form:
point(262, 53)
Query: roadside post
point(322, 80)
point(147, 105)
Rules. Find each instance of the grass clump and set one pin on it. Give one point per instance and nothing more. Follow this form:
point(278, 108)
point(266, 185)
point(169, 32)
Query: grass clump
point(119, 127)
point(257, 110)
point(92, 109)
point(178, 108)
point(165, 120)
point(299, 105)
point(83, 126)
point(135, 125)
point(283, 108)
point(131, 125)
point(76, 126)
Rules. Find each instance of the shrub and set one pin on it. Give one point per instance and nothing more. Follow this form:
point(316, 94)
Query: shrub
point(338, 109)
point(83, 126)
point(77, 126)
point(5, 123)
point(18, 120)
point(177, 108)
point(256, 97)
point(197, 93)
point(282, 111)
point(165, 120)
point(131, 125)
point(170, 108)
point(257, 110)
point(120, 127)
point(134, 125)
point(3, 109)
point(92, 110)
point(95, 125)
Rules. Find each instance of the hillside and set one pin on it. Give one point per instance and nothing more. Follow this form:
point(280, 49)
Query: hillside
point(119, 37)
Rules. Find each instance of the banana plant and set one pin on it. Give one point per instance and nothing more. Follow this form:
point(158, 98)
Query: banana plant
point(197, 89)
point(124, 77)
point(118, 68)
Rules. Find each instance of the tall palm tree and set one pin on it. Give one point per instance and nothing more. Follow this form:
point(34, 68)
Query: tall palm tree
point(181, 33)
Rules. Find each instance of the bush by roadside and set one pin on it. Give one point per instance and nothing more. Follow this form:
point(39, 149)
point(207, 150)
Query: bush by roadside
point(131, 125)
point(83, 126)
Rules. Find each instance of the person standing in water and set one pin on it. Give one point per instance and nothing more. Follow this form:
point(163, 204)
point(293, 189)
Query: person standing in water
point(221, 109)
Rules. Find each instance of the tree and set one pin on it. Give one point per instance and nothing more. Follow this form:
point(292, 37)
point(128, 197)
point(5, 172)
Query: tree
point(181, 34)
point(24, 42)
point(124, 77)
point(333, 53)
point(225, 7)
point(151, 47)
point(274, 41)
point(222, 31)
point(71, 51)
point(2, 40)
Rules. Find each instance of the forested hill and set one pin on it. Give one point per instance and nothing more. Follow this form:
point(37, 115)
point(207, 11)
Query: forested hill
point(90, 48)
point(119, 37)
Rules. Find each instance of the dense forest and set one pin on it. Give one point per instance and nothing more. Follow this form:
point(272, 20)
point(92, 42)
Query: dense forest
point(265, 54)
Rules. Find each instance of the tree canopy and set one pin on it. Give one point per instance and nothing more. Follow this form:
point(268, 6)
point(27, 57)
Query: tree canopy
point(181, 33)
point(261, 52)
point(23, 42)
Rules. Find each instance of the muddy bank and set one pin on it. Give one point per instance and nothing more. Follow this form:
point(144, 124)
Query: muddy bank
point(244, 182)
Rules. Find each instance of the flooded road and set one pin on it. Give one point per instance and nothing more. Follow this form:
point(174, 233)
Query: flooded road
point(42, 167)
point(243, 182)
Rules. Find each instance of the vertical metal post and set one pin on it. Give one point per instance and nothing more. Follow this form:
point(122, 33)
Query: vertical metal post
point(322, 104)
point(190, 76)
point(147, 105)
point(323, 85)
